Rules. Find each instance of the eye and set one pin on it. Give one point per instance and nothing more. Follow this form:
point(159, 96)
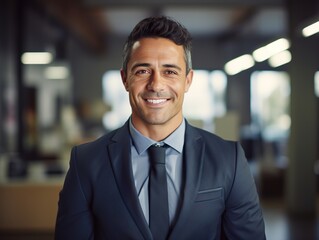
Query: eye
point(141, 71)
point(170, 72)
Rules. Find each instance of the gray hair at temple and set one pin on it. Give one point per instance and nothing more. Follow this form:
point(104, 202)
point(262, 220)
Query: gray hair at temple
point(163, 27)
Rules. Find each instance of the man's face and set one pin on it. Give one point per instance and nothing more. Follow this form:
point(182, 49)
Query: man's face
point(156, 81)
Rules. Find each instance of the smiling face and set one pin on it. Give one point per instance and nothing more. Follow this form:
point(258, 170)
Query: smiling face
point(156, 80)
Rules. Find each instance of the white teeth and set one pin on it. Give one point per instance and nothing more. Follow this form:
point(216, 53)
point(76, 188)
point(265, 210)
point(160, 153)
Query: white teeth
point(156, 101)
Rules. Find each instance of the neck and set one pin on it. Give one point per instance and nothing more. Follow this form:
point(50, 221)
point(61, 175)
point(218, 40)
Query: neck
point(156, 132)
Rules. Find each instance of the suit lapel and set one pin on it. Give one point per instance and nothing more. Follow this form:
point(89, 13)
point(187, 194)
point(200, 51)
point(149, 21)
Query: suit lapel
point(120, 155)
point(193, 161)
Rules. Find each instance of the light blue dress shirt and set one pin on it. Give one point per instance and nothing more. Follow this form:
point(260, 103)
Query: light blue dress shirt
point(141, 167)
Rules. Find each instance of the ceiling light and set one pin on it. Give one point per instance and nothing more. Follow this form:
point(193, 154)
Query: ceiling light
point(263, 53)
point(311, 29)
point(280, 59)
point(36, 58)
point(239, 64)
point(56, 72)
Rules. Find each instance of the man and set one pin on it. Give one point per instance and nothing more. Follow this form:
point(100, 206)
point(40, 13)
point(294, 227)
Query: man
point(107, 191)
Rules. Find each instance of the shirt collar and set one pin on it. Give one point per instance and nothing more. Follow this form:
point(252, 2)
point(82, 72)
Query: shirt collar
point(174, 140)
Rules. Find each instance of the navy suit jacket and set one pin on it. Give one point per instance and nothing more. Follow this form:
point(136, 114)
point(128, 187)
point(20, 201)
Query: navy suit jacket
point(219, 197)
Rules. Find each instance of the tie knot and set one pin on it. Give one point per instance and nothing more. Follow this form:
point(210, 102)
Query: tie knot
point(157, 154)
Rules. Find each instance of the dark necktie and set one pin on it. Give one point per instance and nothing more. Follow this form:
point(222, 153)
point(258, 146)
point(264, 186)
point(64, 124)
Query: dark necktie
point(158, 199)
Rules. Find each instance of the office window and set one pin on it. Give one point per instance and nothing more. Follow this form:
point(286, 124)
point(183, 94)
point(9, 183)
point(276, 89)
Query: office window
point(270, 93)
point(116, 97)
point(204, 100)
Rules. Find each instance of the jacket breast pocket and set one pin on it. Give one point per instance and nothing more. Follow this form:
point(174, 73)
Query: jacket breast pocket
point(209, 195)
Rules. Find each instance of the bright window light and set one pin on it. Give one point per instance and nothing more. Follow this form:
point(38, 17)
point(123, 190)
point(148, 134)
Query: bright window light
point(239, 64)
point(311, 29)
point(115, 96)
point(270, 103)
point(56, 72)
point(317, 84)
point(199, 98)
point(36, 58)
point(280, 59)
point(218, 84)
point(205, 99)
point(263, 53)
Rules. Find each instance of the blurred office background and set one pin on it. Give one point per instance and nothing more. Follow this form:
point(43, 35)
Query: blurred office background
point(256, 81)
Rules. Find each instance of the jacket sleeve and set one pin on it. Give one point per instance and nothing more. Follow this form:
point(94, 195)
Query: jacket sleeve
point(243, 216)
point(74, 218)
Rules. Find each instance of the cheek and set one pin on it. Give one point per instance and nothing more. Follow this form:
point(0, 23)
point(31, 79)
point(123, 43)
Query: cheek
point(135, 89)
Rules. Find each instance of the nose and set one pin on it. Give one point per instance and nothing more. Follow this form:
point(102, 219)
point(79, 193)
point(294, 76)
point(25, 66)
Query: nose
point(156, 83)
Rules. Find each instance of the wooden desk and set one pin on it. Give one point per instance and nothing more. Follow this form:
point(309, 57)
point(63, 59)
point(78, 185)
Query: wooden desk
point(29, 206)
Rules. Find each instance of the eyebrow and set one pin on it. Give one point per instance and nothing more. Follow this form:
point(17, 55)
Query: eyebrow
point(172, 66)
point(148, 65)
point(140, 65)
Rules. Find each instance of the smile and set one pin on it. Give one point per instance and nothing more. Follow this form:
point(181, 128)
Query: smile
point(156, 101)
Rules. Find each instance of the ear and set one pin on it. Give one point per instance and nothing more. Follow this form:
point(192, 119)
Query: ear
point(124, 79)
point(189, 80)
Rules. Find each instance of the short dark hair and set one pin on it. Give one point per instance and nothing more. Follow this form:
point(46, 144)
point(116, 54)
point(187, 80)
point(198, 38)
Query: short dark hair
point(163, 27)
